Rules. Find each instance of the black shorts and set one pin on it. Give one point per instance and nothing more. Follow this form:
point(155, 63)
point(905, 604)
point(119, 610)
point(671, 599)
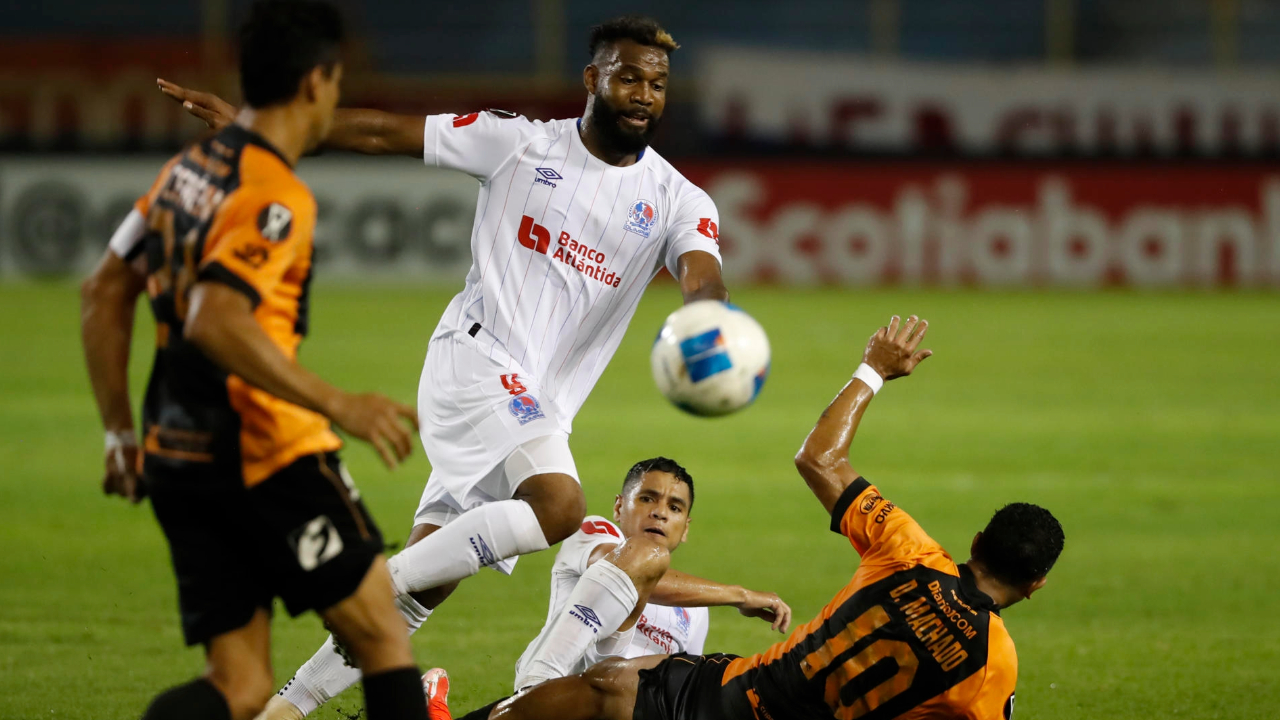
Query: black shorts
point(302, 535)
point(688, 687)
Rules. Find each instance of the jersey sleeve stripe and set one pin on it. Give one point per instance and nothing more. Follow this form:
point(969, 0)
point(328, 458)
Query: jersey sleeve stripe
point(218, 272)
point(847, 498)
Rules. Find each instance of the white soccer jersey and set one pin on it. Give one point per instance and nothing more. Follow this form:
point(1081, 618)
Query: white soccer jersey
point(660, 630)
point(563, 244)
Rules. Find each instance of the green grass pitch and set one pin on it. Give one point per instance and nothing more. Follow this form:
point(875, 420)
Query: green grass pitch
point(1150, 424)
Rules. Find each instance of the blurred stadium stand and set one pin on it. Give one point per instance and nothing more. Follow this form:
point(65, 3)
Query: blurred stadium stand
point(62, 60)
point(408, 36)
point(935, 141)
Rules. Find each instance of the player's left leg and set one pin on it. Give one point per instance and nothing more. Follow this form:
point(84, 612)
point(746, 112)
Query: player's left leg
point(325, 552)
point(607, 691)
point(331, 670)
point(500, 460)
point(224, 589)
point(546, 505)
point(236, 682)
point(446, 546)
point(608, 598)
point(369, 625)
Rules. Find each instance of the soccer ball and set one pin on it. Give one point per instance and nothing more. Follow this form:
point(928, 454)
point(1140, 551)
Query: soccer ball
point(710, 358)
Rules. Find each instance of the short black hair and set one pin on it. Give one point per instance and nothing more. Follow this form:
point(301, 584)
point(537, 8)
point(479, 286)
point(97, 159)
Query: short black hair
point(640, 28)
point(660, 464)
point(281, 42)
point(1020, 544)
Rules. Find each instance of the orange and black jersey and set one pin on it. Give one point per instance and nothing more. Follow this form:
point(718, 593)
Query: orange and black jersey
point(909, 637)
point(229, 210)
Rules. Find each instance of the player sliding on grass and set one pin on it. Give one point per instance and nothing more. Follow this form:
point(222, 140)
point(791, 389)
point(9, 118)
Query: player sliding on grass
point(574, 218)
point(239, 459)
point(612, 594)
point(652, 515)
point(913, 634)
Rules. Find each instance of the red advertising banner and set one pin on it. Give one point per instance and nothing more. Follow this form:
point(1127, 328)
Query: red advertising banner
point(998, 223)
point(101, 95)
point(822, 100)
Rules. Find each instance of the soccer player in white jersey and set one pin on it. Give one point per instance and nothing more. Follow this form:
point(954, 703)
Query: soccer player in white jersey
point(573, 219)
point(662, 611)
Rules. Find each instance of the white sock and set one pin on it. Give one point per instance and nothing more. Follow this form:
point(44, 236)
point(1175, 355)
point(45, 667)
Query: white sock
point(327, 673)
point(480, 536)
point(602, 600)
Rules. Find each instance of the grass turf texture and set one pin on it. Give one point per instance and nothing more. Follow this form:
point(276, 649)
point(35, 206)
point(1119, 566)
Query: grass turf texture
point(1147, 423)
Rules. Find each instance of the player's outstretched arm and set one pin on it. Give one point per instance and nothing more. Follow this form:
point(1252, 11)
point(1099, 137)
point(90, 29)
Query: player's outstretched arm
point(677, 589)
point(107, 301)
point(823, 460)
point(372, 132)
point(220, 323)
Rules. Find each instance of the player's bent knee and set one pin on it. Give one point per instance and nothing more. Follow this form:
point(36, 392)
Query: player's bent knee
point(644, 559)
point(368, 624)
point(557, 501)
point(362, 625)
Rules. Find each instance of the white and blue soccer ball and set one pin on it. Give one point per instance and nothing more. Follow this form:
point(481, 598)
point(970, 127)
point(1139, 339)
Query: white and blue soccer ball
point(710, 358)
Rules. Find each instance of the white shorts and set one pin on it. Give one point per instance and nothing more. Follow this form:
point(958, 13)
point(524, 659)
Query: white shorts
point(485, 430)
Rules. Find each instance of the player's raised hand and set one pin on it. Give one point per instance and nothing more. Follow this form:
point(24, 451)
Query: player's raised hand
point(768, 607)
point(378, 421)
point(213, 110)
point(892, 351)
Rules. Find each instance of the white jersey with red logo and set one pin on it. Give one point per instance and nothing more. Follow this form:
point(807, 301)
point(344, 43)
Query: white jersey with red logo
point(661, 630)
point(563, 245)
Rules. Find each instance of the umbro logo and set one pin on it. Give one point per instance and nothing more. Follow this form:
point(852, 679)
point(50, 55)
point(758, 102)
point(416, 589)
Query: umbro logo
point(547, 175)
point(486, 556)
point(587, 616)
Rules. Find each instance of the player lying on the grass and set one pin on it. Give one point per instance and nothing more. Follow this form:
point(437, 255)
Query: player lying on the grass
point(238, 458)
point(613, 594)
point(652, 513)
point(574, 218)
point(913, 634)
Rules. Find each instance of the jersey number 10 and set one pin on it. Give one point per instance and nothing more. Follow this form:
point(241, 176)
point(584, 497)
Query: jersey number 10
point(851, 671)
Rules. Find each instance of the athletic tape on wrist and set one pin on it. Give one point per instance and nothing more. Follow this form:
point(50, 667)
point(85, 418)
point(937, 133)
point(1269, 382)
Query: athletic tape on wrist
point(868, 375)
point(119, 439)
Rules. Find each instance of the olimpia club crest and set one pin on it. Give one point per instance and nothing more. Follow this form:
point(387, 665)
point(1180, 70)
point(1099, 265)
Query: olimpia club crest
point(525, 408)
point(641, 218)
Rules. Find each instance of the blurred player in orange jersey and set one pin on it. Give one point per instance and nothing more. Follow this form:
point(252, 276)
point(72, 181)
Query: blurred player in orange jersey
point(913, 635)
point(238, 456)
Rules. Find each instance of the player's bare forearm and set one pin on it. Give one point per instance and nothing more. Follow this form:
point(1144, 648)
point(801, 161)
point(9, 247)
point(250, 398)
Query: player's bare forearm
point(220, 323)
point(374, 132)
point(677, 589)
point(823, 460)
point(700, 278)
point(108, 298)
